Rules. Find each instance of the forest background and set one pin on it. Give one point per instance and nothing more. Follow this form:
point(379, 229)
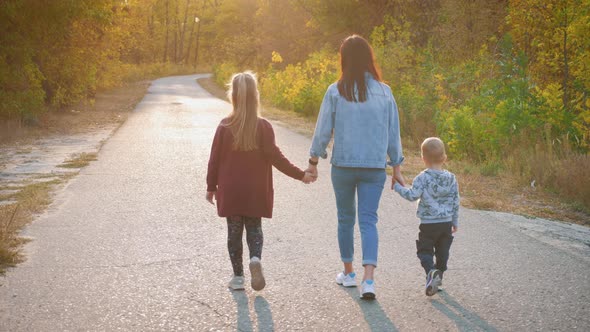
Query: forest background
point(504, 82)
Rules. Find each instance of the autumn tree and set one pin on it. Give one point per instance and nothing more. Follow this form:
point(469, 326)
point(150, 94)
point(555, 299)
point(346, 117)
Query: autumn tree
point(554, 36)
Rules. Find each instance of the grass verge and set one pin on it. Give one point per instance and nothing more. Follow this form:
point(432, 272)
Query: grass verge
point(30, 200)
point(79, 161)
point(483, 187)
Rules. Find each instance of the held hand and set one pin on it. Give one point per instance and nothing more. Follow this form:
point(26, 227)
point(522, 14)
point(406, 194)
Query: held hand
point(308, 178)
point(398, 177)
point(313, 170)
point(210, 196)
point(454, 229)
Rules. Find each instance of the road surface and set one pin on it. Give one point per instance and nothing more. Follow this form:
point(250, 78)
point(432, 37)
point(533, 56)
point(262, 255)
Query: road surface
point(131, 244)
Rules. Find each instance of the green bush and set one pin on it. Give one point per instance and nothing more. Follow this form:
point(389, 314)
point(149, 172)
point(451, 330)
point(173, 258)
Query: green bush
point(301, 87)
point(489, 117)
point(223, 72)
point(411, 75)
point(464, 134)
point(21, 92)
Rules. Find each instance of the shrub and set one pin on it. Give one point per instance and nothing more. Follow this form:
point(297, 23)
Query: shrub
point(223, 72)
point(301, 87)
point(410, 74)
point(21, 92)
point(465, 134)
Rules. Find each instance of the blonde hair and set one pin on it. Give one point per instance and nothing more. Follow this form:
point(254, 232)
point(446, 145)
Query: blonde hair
point(244, 96)
point(433, 150)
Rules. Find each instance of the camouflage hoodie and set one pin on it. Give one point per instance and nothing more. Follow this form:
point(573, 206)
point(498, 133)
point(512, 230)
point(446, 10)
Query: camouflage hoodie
point(438, 193)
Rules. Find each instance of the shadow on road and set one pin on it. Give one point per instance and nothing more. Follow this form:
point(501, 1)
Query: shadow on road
point(463, 318)
point(244, 321)
point(375, 317)
point(263, 313)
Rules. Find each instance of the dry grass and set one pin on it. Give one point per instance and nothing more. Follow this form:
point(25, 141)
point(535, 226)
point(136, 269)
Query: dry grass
point(569, 174)
point(79, 160)
point(30, 200)
point(9, 224)
point(209, 84)
point(483, 187)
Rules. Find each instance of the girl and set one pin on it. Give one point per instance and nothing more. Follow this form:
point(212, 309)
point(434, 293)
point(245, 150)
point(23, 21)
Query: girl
point(239, 175)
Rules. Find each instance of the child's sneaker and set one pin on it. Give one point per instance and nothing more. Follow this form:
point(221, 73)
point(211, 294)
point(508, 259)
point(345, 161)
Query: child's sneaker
point(368, 290)
point(432, 282)
point(258, 281)
point(236, 283)
point(346, 280)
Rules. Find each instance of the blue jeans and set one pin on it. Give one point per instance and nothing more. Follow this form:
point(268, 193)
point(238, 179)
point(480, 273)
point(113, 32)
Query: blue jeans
point(368, 184)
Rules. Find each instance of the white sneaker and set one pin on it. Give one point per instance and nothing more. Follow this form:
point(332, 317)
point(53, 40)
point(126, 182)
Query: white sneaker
point(346, 280)
point(236, 283)
point(432, 282)
point(368, 290)
point(257, 281)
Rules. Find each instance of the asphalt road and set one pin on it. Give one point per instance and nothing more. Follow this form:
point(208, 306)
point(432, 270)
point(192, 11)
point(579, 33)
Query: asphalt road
point(131, 244)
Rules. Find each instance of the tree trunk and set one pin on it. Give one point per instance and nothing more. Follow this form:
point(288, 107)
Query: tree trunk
point(197, 47)
point(183, 31)
point(151, 29)
point(167, 29)
point(565, 61)
point(176, 32)
point(190, 42)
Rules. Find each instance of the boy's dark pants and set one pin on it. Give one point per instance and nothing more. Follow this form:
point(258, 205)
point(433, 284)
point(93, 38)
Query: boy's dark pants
point(434, 240)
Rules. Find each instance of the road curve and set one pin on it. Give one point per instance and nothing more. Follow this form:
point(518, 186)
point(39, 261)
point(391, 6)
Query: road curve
point(130, 244)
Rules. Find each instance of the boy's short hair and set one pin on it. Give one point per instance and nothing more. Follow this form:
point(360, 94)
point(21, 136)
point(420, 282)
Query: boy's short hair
point(433, 150)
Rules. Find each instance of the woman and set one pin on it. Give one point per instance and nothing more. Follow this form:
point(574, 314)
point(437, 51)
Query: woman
point(361, 113)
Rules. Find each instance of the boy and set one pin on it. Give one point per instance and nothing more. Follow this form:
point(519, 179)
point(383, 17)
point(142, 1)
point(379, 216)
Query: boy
point(438, 211)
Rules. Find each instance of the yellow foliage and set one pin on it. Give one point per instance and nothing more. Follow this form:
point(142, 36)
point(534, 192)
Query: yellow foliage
point(300, 87)
point(276, 57)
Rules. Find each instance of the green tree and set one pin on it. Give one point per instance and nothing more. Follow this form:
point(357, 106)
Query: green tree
point(554, 35)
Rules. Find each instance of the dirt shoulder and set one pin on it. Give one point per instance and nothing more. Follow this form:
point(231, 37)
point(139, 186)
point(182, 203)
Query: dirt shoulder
point(502, 192)
point(108, 108)
point(36, 160)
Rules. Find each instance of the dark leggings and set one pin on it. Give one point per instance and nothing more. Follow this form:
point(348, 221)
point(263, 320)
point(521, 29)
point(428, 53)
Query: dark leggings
point(235, 229)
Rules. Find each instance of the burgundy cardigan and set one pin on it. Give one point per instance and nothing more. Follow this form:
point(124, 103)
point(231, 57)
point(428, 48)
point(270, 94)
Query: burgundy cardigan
point(243, 179)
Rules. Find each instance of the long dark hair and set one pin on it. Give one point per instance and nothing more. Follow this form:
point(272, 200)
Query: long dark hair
point(356, 58)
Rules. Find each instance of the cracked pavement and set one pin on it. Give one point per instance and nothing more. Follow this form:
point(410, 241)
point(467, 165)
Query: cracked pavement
point(131, 244)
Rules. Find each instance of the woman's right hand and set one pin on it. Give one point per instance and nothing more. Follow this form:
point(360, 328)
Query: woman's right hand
point(397, 177)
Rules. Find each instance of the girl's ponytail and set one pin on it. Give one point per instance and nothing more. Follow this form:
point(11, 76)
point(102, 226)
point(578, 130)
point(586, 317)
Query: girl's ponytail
point(243, 93)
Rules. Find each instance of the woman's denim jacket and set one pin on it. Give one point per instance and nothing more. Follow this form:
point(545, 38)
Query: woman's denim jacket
point(364, 133)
